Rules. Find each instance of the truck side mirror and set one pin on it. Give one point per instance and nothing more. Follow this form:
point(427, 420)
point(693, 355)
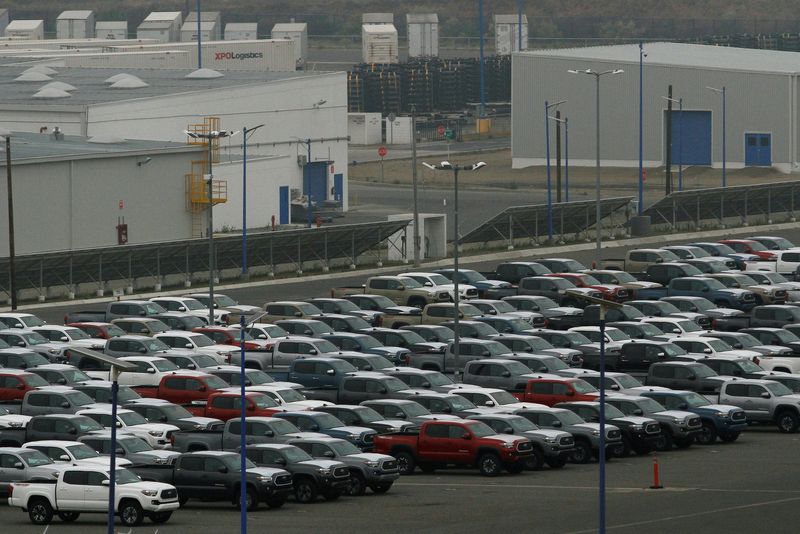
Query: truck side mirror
point(222, 469)
point(383, 391)
point(119, 424)
point(64, 458)
point(765, 395)
point(466, 435)
point(19, 465)
point(188, 346)
point(313, 352)
point(570, 393)
point(65, 404)
point(192, 366)
point(262, 336)
point(120, 452)
point(506, 374)
point(21, 344)
point(328, 454)
point(638, 411)
point(400, 415)
point(705, 290)
point(401, 288)
point(661, 355)
point(269, 433)
point(556, 424)
point(425, 384)
point(151, 370)
point(615, 387)
point(330, 372)
point(489, 403)
point(181, 308)
point(298, 314)
point(492, 312)
point(683, 406)
point(693, 377)
point(676, 330)
point(251, 407)
point(706, 351)
point(163, 419)
point(314, 428)
point(143, 350)
point(106, 482)
point(201, 388)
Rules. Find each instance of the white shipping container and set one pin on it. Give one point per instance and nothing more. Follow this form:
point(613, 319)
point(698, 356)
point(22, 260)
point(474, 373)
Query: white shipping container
point(3, 21)
point(398, 131)
point(29, 30)
point(423, 34)
point(297, 32)
point(212, 17)
point(266, 55)
point(117, 29)
point(379, 43)
point(75, 25)
point(241, 31)
point(174, 59)
point(377, 18)
point(64, 44)
point(208, 31)
point(364, 128)
point(506, 31)
point(162, 25)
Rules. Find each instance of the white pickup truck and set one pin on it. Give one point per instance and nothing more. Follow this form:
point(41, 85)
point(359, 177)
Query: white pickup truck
point(786, 262)
point(84, 489)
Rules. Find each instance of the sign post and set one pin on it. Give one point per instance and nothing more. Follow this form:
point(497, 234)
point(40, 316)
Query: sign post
point(382, 153)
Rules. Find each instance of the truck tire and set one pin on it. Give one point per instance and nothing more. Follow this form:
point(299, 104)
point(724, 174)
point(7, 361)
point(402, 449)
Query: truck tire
point(405, 463)
point(357, 485)
point(182, 500)
point(708, 435)
point(39, 511)
point(489, 464)
point(130, 513)
point(250, 499)
point(582, 453)
point(535, 461)
point(305, 490)
point(683, 443)
point(788, 422)
point(729, 437)
point(68, 517)
point(626, 447)
point(381, 487)
point(427, 468)
point(556, 463)
point(160, 517)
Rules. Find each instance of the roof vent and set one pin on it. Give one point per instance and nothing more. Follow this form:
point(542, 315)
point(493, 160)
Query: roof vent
point(129, 83)
point(51, 93)
point(57, 134)
point(204, 74)
point(106, 140)
point(32, 77)
point(118, 77)
point(61, 86)
point(41, 69)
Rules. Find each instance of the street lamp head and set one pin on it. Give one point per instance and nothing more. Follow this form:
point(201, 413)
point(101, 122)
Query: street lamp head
point(476, 166)
point(429, 166)
point(617, 71)
point(445, 165)
point(5, 133)
point(319, 103)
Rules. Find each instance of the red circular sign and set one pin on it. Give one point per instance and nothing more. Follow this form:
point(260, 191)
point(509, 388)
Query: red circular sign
point(382, 151)
point(440, 129)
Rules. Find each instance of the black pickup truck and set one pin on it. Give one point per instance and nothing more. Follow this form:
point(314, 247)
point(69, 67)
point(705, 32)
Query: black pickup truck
point(514, 271)
point(216, 476)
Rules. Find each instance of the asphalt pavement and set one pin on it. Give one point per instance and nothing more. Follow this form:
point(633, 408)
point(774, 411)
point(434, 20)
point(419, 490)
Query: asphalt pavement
point(749, 486)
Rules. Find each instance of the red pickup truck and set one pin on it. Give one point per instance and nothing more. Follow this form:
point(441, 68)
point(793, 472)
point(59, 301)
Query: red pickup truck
point(551, 391)
point(438, 444)
point(229, 335)
point(15, 383)
point(184, 387)
point(225, 405)
point(613, 292)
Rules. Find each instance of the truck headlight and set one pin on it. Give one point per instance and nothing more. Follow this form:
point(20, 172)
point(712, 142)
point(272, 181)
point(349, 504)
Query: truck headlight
point(508, 445)
point(678, 421)
point(149, 492)
point(323, 471)
point(637, 428)
point(723, 415)
point(262, 478)
point(155, 433)
point(372, 464)
point(549, 440)
point(353, 436)
point(595, 432)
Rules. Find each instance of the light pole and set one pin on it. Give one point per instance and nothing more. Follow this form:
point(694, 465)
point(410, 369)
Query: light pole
point(246, 133)
point(210, 137)
point(447, 166)
point(563, 121)
point(642, 55)
point(680, 138)
point(519, 25)
point(597, 76)
point(482, 110)
point(549, 181)
point(199, 39)
point(414, 185)
point(12, 268)
point(724, 98)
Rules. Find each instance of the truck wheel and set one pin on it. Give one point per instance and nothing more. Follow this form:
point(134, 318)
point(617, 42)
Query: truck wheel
point(68, 517)
point(250, 499)
point(664, 443)
point(130, 513)
point(40, 511)
point(535, 461)
point(332, 494)
point(626, 447)
point(556, 463)
point(788, 422)
point(381, 487)
point(427, 468)
point(489, 465)
point(182, 500)
point(305, 491)
point(708, 435)
point(405, 463)
point(276, 502)
point(582, 453)
point(160, 517)
point(729, 437)
point(357, 486)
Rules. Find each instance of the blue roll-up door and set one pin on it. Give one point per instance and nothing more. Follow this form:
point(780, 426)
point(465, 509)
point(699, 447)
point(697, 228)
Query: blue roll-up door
point(317, 181)
point(283, 199)
point(691, 138)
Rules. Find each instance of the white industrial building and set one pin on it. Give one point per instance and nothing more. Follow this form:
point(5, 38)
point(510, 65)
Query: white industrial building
point(159, 104)
point(210, 26)
point(28, 30)
point(73, 192)
point(297, 32)
point(762, 90)
point(75, 25)
point(241, 31)
point(164, 26)
point(111, 29)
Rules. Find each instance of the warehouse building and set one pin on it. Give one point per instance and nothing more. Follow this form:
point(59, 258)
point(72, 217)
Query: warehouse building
point(160, 104)
point(761, 102)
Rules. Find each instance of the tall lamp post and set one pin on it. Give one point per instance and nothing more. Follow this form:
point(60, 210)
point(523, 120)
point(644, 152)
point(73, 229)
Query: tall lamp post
point(564, 121)
point(724, 163)
point(246, 133)
point(210, 137)
point(455, 169)
point(12, 269)
point(679, 101)
point(642, 55)
point(547, 108)
point(597, 76)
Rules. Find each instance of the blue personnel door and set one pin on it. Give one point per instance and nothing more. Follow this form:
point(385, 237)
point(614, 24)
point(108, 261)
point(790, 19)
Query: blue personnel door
point(757, 150)
point(316, 182)
point(283, 198)
point(691, 137)
point(338, 186)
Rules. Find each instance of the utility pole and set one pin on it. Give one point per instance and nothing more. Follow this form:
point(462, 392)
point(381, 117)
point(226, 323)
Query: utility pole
point(414, 185)
point(558, 156)
point(668, 173)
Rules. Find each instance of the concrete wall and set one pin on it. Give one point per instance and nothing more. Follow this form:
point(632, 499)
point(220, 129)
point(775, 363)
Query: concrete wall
point(57, 206)
point(22, 120)
point(756, 102)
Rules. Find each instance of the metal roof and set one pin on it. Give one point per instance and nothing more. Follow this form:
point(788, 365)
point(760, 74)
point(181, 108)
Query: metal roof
point(19, 24)
point(684, 55)
point(27, 146)
point(242, 26)
point(422, 18)
point(75, 14)
point(204, 16)
point(92, 88)
point(290, 27)
point(509, 19)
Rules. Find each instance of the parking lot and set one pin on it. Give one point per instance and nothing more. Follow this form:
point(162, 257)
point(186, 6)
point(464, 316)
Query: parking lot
point(747, 486)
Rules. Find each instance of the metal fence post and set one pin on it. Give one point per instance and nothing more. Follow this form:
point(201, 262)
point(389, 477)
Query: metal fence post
point(674, 215)
point(41, 279)
point(510, 231)
point(100, 274)
point(697, 226)
point(72, 289)
point(326, 266)
point(769, 206)
point(744, 217)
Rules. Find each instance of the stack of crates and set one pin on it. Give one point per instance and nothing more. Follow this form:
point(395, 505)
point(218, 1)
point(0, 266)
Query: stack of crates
point(767, 41)
point(498, 76)
point(419, 78)
point(789, 42)
point(355, 92)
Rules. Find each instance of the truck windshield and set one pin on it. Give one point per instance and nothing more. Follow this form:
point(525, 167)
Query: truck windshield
point(704, 371)
point(34, 381)
point(568, 418)
point(438, 379)
point(554, 364)
point(201, 340)
point(671, 349)
point(501, 398)
point(255, 377)
point(649, 406)
point(82, 452)
point(695, 400)
point(368, 415)
point(296, 454)
point(582, 386)
point(410, 283)
point(35, 458)
point(131, 419)
point(123, 476)
point(778, 389)
point(496, 348)
point(327, 421)
point(414, 409)
point(87, 424)
point(714, 284)
point(576, 338)
point(76, 333)
point(344, 448)
point(74, 375)
point(702, 305)
point(394, 384)
point(628, 382)
point(224, 301)
point(290, 395)
point(264, 401)
point(520, 424)
point(175, 412)
point(78, 398)
point(517, 368)
point(471, 277)
point(458, 403)
point(204, 360)
point(502, 307)
point(163, 365)
point(612, 412)
point(537, 343)
point(439, 280)
point(785, 336)
point(345, 306)
point(689, 326)
point(718, 345)
point(152, 308)
point(135, 445)
point(309, 309)
point(590, 280)
point(232, 462)
point(281, 427)
point(215, 382)
point(369, 342)
point(481, 430)
point(113, 330)
point(324, 345)
point(617, 335)
point(34, 338)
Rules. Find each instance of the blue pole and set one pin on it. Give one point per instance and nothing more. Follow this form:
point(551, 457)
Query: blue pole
point(483, 81)
point(602, 453)
point(242, 435)
point(566, 159)
point(641, 127)
point(519, 25)
point(308, 181)
point(199, 39)
point(244, 203)
point(680, 144)
point(112, 472)
point(724, 165)
point(549, 183)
